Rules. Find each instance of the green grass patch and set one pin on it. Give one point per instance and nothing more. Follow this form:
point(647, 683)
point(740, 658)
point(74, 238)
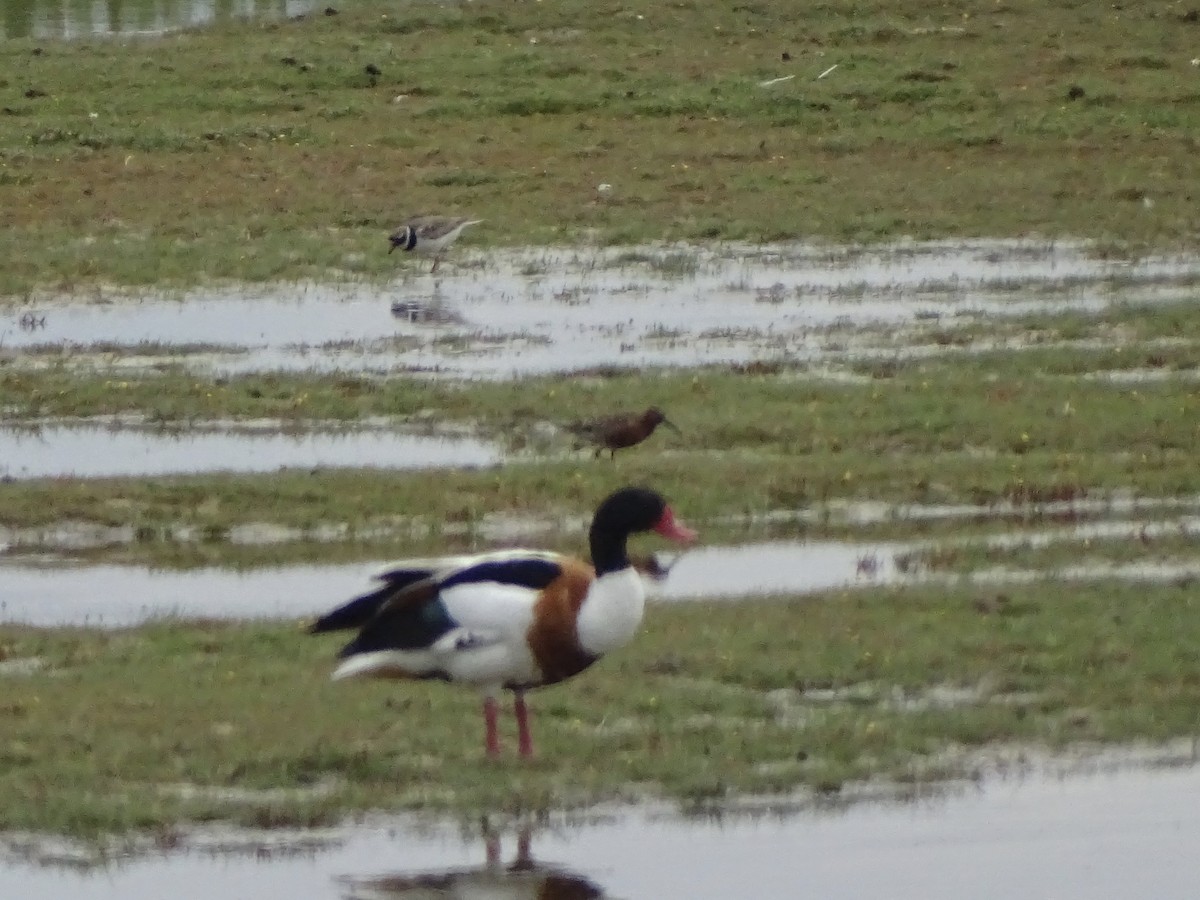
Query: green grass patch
point(189, 722)
point(265, 151)
point(961, 428)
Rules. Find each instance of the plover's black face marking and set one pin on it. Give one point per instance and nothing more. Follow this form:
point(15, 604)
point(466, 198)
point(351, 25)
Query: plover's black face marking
point(405, 239)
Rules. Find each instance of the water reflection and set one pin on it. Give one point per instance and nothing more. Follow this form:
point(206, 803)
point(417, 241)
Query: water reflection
point(83, 18)
point(494, 880)
point(423, 311)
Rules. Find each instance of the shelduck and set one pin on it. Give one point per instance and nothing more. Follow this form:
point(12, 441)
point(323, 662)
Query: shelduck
point(511, 619)
point(616, 432)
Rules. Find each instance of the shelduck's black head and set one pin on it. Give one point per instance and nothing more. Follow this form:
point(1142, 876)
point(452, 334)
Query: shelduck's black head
point(629, 511)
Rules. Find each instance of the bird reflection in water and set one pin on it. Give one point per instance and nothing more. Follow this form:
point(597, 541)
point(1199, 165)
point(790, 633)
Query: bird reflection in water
point(426, 312)
point(522, 879)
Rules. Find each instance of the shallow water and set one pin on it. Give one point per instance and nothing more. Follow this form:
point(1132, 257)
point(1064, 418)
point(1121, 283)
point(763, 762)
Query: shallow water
point(120, 595)
point(511, 314)
point(86, 451)
point(72, 19)
point(1108, 834)
point(56, 592)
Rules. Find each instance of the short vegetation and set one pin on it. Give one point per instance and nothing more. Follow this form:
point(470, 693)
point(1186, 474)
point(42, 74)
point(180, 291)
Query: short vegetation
point(273, 151)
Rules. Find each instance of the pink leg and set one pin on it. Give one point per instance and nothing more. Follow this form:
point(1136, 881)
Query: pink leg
point(522, 712)
point(489, 721)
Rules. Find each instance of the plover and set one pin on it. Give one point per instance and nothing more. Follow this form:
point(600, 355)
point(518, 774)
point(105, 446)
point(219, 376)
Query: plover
point(429, 235)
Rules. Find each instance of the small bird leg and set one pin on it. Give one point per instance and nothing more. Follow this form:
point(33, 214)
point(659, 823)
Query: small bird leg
point(491, 843)
point(436, 261)
point(525, 740)
point(492, 741)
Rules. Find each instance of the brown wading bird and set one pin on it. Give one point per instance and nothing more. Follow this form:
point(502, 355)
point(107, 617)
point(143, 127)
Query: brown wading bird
point(613, 433)
point(507, 620)
point(429, 235)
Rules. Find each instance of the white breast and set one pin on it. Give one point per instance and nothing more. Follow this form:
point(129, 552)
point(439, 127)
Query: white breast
point(612, 612)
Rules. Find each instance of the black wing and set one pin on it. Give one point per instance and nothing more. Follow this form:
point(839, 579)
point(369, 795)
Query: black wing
point(410, 585)
point(361, 610)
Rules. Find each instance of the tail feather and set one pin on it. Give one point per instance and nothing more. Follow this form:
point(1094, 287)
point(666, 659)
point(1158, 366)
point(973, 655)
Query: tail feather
point(359, 611)
point(354, 614)
point(365, 665)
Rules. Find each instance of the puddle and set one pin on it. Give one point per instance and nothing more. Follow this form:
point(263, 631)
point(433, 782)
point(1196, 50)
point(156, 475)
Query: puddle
point(88, 451)
point(73, 20)
point(777, 567)
point(538, 311)
point(50, 593)
point(1105, 834)
point(113, 596)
